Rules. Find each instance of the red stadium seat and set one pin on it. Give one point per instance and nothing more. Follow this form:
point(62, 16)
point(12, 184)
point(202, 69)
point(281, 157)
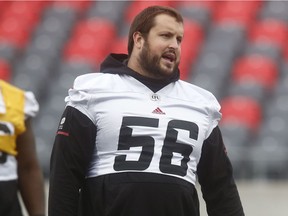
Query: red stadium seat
point(78, 6)
point(14, 31)
point(5, 73)
point(136, 6)
point(28, 11)
point(21, 12)
point(3, 6)
point(241, 12)
point(120, 45)
point(241, 110)
point(18, 20)
point(91, 39)
point(99, 27)
point(22, 7)
point(86, 48)
point(256, 68)
point(285, 53)
point(270, 31)
point(190, 46)
point(209, 5)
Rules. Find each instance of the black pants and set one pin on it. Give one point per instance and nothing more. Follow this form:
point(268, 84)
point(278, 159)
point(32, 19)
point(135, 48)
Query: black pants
point(9, 202)
point(138, 194)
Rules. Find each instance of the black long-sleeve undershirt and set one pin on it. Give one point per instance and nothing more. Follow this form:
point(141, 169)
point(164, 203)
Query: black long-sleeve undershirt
point(215, 175)
point(71, 153)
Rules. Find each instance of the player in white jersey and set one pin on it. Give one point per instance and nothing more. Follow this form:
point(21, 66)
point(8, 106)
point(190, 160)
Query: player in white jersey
point(134, 139)
point(19, 167)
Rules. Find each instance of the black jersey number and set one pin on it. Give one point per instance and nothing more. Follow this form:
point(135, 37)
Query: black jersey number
point(4, 129)
point(3, 157)
point(170, 145)
point(126, 141)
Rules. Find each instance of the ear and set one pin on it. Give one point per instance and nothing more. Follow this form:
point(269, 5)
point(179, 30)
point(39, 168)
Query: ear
point(138, 40)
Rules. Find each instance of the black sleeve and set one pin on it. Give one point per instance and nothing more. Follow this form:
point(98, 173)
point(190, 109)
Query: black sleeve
point(216, 178)
point(72, 150)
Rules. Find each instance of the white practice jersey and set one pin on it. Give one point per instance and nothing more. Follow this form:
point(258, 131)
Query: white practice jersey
point(142, 131)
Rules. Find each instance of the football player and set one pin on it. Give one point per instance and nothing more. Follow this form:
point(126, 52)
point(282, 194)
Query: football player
point(19, 167)
point(134, 138)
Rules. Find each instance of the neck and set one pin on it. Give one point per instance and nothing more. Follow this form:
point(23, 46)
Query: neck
point(134, 65)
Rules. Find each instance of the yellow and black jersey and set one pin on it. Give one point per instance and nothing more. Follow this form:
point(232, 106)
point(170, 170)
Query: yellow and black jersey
point(15, 106)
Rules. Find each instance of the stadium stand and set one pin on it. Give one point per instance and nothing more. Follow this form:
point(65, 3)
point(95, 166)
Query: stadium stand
point(5, 70)
point(235, 49)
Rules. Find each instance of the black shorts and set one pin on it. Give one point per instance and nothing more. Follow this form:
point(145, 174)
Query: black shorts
point(9, 202)
point(138, 194)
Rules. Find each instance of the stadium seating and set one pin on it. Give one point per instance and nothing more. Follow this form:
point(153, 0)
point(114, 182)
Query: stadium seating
point(90, 40)
point(5, 70)
point(78, 6)
point(212, 68)
point(255, 68)
point(237, 139)
point(276, 10)
point(253, 90)
point(269, 31)
point(136, 6)
point(241, 13)
point(198, 14)
point(18, 21)
point(190, 46)
point(269, 152)
point(235, 49)
point(8, 52)
point(242, 110)
point(120, 44)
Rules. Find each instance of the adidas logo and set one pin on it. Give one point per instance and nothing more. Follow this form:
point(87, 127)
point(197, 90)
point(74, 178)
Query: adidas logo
point(158, 111)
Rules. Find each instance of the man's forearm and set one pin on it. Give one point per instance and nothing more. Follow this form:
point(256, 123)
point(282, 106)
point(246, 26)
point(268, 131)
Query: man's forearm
point(32, 191)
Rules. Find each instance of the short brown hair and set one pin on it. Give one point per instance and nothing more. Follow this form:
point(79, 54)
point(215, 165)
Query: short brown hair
point(144, 21)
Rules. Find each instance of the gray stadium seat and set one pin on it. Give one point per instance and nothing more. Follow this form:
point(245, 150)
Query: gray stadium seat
point(111, 10)
point(237, 139)
point(248, 89)
point(212, 69)
point(199, 14)
point(277, 106)
point(269, 157)
point(55, 18)
point(264, 49)
point(213, 84)
point(46, 47)
point(56, 24)
point(213, 64)
point(33, 73)
point(76, 68)
point(226, 39)
point(211, 72)
point(274, 10)
point(275, 126)
point(8, 52)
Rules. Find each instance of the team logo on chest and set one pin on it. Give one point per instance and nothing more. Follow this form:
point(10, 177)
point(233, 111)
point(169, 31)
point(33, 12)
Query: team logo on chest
point(155, 97)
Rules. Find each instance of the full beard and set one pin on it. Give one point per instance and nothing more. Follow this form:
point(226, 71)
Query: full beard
point(151, 64)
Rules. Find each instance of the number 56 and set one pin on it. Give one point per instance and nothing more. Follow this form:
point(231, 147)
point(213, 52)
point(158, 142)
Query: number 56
point(170, 145)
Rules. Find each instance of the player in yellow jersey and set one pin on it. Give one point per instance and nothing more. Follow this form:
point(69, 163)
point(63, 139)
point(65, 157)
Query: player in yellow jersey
point(19, 167)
